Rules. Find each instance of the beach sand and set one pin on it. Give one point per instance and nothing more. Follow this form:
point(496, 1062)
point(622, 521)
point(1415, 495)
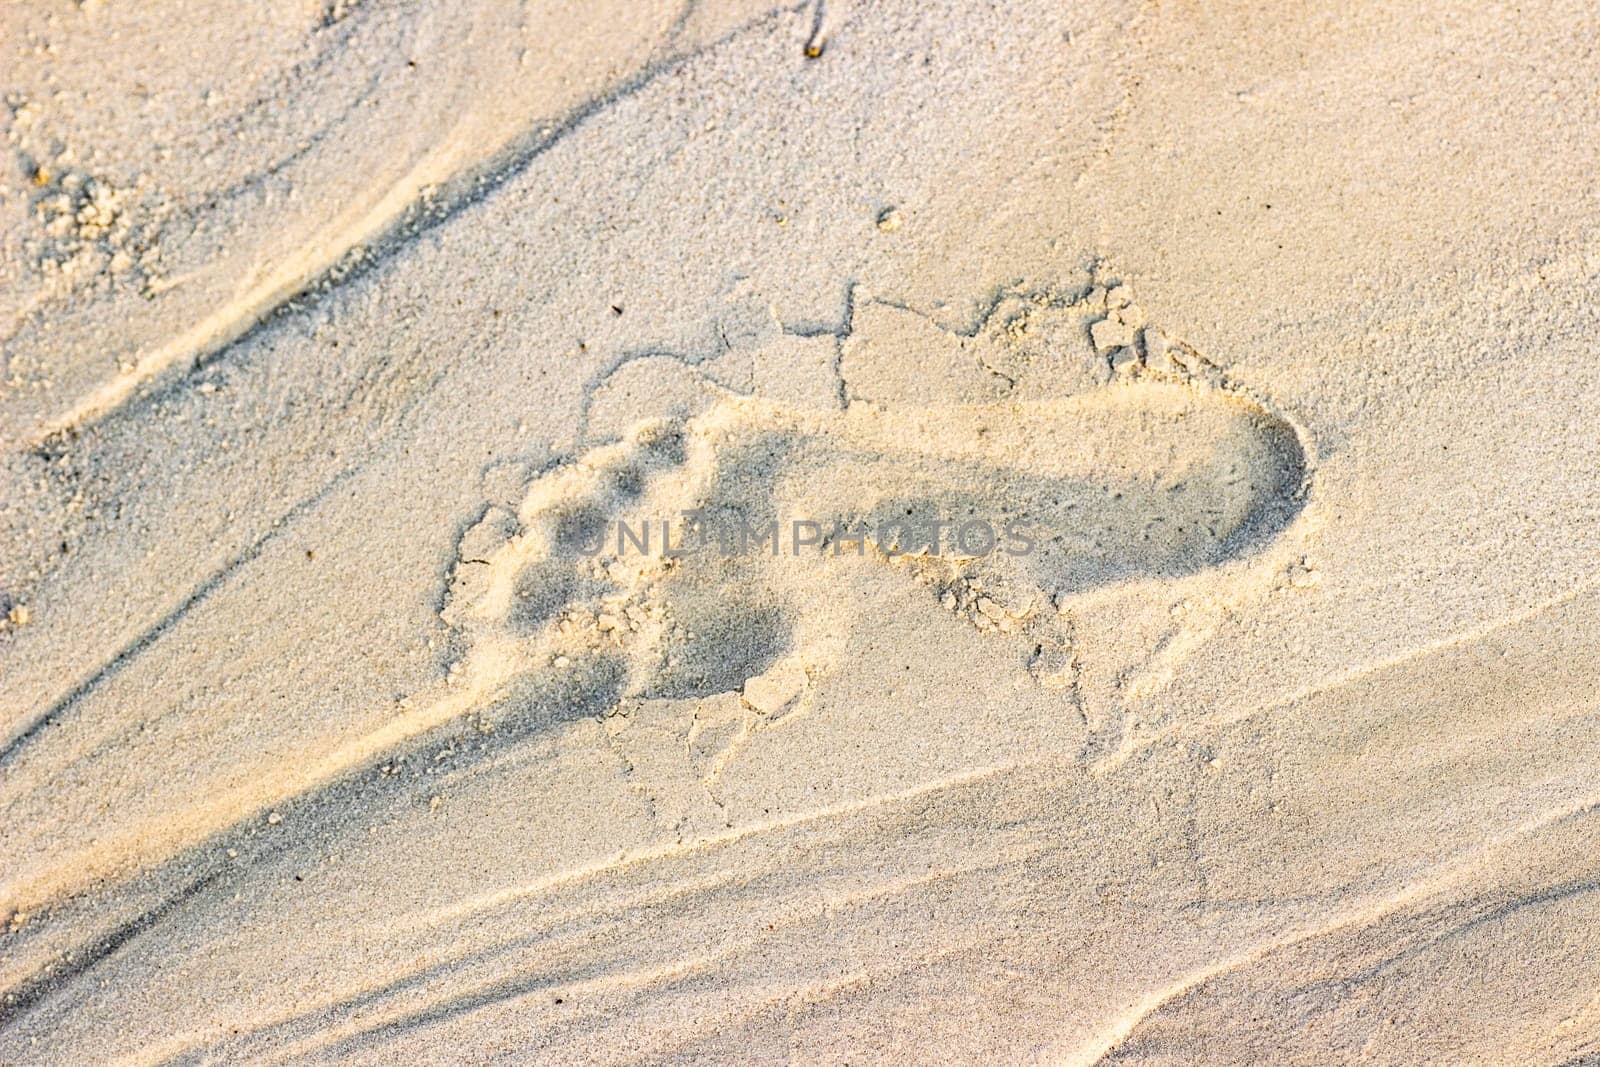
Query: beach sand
point(348, 350)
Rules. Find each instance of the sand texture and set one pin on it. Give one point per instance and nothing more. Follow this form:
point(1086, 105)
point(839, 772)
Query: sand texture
point(349, 347)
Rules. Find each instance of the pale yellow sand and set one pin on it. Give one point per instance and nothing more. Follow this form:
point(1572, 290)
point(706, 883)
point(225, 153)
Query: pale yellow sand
point(328, 331)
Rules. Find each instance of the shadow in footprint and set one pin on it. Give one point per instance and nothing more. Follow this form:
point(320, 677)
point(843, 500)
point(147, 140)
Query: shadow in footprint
point(721, 643)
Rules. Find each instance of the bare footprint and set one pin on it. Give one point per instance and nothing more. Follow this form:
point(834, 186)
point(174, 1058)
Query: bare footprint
point(1047, 505)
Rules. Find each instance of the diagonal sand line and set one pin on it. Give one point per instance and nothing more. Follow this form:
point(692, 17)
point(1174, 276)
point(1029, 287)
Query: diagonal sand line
point(1341, 679)
point(1451, 875)
point(454, 177)
point(622, 861)
point(484, 992)
point(14, 741)
point(145, 844)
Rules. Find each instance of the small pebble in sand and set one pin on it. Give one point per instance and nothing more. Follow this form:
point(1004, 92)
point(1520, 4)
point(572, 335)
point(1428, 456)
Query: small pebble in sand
point(19, 615)
point(273, 818)
point(889, 220)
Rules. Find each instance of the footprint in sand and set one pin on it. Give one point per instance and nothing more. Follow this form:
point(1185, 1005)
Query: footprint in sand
point(1156, 472)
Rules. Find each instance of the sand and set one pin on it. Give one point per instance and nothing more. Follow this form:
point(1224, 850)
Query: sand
point(347, 350)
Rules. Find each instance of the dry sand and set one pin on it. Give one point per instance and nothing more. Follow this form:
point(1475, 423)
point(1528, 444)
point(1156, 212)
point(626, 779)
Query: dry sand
point(333, 331)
